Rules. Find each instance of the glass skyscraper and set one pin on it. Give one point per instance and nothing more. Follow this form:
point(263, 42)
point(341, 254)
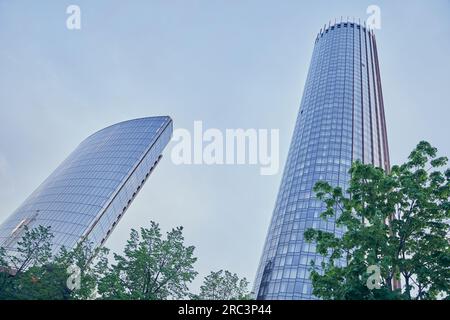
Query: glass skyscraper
point(85, 197)
point(341, 119)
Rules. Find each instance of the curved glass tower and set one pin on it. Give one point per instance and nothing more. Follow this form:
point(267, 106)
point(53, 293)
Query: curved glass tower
point(341, 119)
point(85, 197)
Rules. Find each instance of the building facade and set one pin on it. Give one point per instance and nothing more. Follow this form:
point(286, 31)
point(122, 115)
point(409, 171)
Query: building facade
point(85, 197)
point(341, 119)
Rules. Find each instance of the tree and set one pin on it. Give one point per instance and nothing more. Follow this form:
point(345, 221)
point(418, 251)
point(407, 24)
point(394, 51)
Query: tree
point(223, 285)
point(84, 267)
point(4, 271)
point(28, 273)
point(34, 249)
point(34, 273)
point(397, 222)
point(151, 268)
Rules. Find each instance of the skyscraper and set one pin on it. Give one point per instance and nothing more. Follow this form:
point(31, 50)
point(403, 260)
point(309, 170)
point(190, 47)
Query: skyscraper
point(341, 119)
point(85, 197)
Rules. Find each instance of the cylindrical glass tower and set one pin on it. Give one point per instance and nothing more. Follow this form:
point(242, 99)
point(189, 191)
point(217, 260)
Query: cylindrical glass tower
point(341, 119)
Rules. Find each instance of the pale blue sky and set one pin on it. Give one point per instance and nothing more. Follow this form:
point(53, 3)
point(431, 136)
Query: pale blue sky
point(228, 63)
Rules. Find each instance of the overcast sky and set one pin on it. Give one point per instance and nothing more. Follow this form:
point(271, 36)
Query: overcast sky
point(229, 63)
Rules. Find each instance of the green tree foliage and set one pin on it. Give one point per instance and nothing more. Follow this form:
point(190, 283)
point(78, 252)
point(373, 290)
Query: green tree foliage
point(223, 285)
point(33, 250)
point(398, 221)
point(84, 265)
point(151, 268)
point(33, 273)
point(4, 272)
point(28, 272)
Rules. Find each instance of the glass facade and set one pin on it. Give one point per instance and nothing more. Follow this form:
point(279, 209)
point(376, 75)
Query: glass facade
point(341, 119)
point(85, 197)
